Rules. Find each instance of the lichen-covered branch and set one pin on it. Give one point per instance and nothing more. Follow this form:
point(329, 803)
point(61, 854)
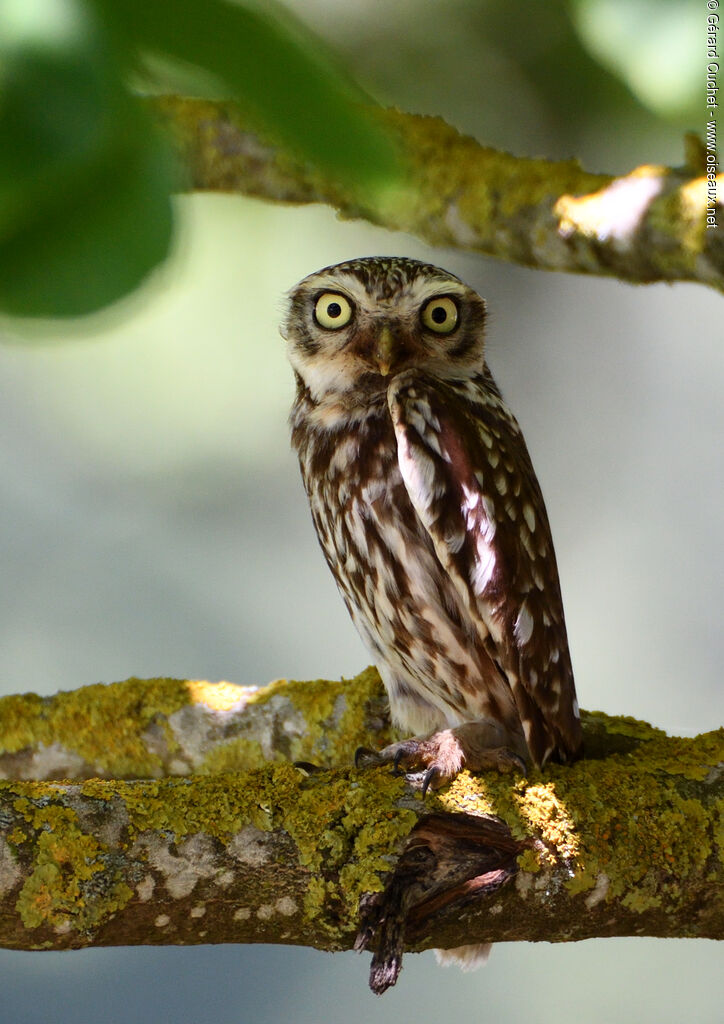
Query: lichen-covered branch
point(171, 811)
point(654, 224)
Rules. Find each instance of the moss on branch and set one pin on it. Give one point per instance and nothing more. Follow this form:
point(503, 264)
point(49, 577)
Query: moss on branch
point(654, 224)
point(187, 821)
point(153, 728)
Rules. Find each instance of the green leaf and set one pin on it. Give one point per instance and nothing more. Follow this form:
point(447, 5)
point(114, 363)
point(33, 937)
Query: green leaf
point(84, 180)
point(654, 46)
point(280, 73)
point(98, 246)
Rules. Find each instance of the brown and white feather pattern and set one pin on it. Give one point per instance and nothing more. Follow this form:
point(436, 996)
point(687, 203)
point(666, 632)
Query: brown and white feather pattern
point(486, 517)
point(429, 512)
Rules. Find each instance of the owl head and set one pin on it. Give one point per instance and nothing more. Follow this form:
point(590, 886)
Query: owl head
point(352, 326)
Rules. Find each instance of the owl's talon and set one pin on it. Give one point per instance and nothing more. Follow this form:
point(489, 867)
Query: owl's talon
point(504, 760)
point(432, 773)
point(436, 759)
point(399, 758)
point(364, 757)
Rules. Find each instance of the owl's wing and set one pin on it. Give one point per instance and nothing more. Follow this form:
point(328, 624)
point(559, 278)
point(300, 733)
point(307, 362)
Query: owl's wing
point(471, 482)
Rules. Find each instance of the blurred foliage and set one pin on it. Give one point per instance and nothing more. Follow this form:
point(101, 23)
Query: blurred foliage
point(527, 78)
point(85, 179)
point(84, 183)
point(654, 46)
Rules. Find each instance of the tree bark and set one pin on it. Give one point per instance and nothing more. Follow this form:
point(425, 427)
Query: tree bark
point(172, 812)
point(654, 224)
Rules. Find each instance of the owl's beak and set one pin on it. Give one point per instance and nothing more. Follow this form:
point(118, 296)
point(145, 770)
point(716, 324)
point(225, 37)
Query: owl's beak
point(385, 351)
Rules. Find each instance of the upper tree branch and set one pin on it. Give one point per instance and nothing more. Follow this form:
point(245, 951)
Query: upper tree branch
point(649, 225)
point(187, 822)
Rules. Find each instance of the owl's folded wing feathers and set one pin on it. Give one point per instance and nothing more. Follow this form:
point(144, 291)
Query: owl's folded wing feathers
point(471, 482)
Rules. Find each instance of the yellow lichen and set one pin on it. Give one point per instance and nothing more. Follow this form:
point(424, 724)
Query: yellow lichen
point(549, 816)
point(337, 826)
point(468, 793)
point(20, 718)
point(217, 805)
point(102, 723)
point(334, 723)
point(237, 755)
point(718, 829)
point(529, 860)
point(623, 725)
point(59, 892)
point(335, 821)
point(484, 186)
point(582, 881)
point(630, 817)
point(634, 827)
point(623, 816)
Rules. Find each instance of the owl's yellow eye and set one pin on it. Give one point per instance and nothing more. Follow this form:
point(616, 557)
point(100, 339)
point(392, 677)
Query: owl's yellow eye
point(440, 315)
point(332, 311)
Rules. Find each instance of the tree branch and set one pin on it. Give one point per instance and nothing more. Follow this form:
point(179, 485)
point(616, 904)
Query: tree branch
point(654, 224)
point(186, 821)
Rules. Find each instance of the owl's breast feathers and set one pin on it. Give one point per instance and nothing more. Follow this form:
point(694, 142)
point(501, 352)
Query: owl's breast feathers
point(432, 521)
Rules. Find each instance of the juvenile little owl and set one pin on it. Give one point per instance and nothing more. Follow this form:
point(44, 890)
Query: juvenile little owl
point(430, 516)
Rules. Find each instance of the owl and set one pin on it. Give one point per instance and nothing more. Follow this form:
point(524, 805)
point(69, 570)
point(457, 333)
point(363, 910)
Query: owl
point(430, 516)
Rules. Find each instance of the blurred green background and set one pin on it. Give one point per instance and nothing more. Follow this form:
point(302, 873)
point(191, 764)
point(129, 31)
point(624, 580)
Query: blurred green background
point(152, 520)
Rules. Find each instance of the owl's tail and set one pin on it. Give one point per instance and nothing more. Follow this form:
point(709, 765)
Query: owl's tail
point(467, 958)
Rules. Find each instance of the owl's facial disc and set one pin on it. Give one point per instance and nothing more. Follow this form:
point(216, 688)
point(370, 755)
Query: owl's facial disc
point(353, 327)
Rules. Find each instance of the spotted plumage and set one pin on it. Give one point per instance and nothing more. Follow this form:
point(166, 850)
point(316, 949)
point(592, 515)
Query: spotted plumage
point(430, 515)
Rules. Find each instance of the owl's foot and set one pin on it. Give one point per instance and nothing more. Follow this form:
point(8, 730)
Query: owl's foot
point(442, 755)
